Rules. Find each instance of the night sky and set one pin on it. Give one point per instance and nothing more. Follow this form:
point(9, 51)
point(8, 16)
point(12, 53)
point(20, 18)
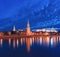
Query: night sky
point(40, 13)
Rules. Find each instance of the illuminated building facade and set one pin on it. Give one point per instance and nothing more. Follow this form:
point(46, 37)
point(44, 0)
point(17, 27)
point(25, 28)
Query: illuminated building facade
point(28, 32)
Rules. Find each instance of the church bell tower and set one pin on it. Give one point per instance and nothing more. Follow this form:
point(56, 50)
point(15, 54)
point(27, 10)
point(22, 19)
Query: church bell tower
point(28, 32)
point(14, 28)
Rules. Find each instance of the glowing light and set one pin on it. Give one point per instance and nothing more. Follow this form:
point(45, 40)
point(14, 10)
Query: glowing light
point(9, 41)
point(28, 44)
point(47, 40)
point(31, 41)
point(46, 33)
point(1, 41)
point(41, 40)
point(14, 43)
point(17, 42)
point(14, 29)
point(51, 41)
point(21, 41)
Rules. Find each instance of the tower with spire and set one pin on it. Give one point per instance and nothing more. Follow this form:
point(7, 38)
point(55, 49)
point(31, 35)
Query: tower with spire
point(28, 32)
point(14, 28)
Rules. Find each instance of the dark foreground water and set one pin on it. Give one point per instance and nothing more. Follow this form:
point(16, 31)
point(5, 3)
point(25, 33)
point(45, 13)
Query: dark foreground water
point(30, 47)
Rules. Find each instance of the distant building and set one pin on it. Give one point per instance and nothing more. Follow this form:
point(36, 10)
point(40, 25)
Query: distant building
point(9, 33)
point(14, 28)
point(46, 30)
point(1, 34)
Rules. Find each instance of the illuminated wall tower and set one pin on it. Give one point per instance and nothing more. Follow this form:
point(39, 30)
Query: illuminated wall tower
point(28, 32)
point(14, 29)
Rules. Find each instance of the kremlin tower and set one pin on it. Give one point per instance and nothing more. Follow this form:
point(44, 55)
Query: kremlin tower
point(28, 32)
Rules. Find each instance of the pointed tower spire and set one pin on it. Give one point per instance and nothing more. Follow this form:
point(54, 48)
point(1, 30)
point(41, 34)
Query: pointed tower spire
point(14, 29)
point(28, 25)
point(28, 29)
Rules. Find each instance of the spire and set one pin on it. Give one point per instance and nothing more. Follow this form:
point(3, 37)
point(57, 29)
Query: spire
point(14, 29)
point(28, 25)
point(28, 29)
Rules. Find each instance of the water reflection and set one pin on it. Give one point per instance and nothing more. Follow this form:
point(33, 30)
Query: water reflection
point(9, 41)
point(42, 41)
point(1, 42)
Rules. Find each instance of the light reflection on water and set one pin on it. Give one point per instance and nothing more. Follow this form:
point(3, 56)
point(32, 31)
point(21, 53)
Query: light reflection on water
point(46, 41)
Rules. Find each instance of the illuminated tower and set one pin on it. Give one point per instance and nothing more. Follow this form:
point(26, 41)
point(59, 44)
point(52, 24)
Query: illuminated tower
point(28, 29)
point(14, 29)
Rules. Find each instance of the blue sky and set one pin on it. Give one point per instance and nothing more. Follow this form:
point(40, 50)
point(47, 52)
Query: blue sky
point(41, 14)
